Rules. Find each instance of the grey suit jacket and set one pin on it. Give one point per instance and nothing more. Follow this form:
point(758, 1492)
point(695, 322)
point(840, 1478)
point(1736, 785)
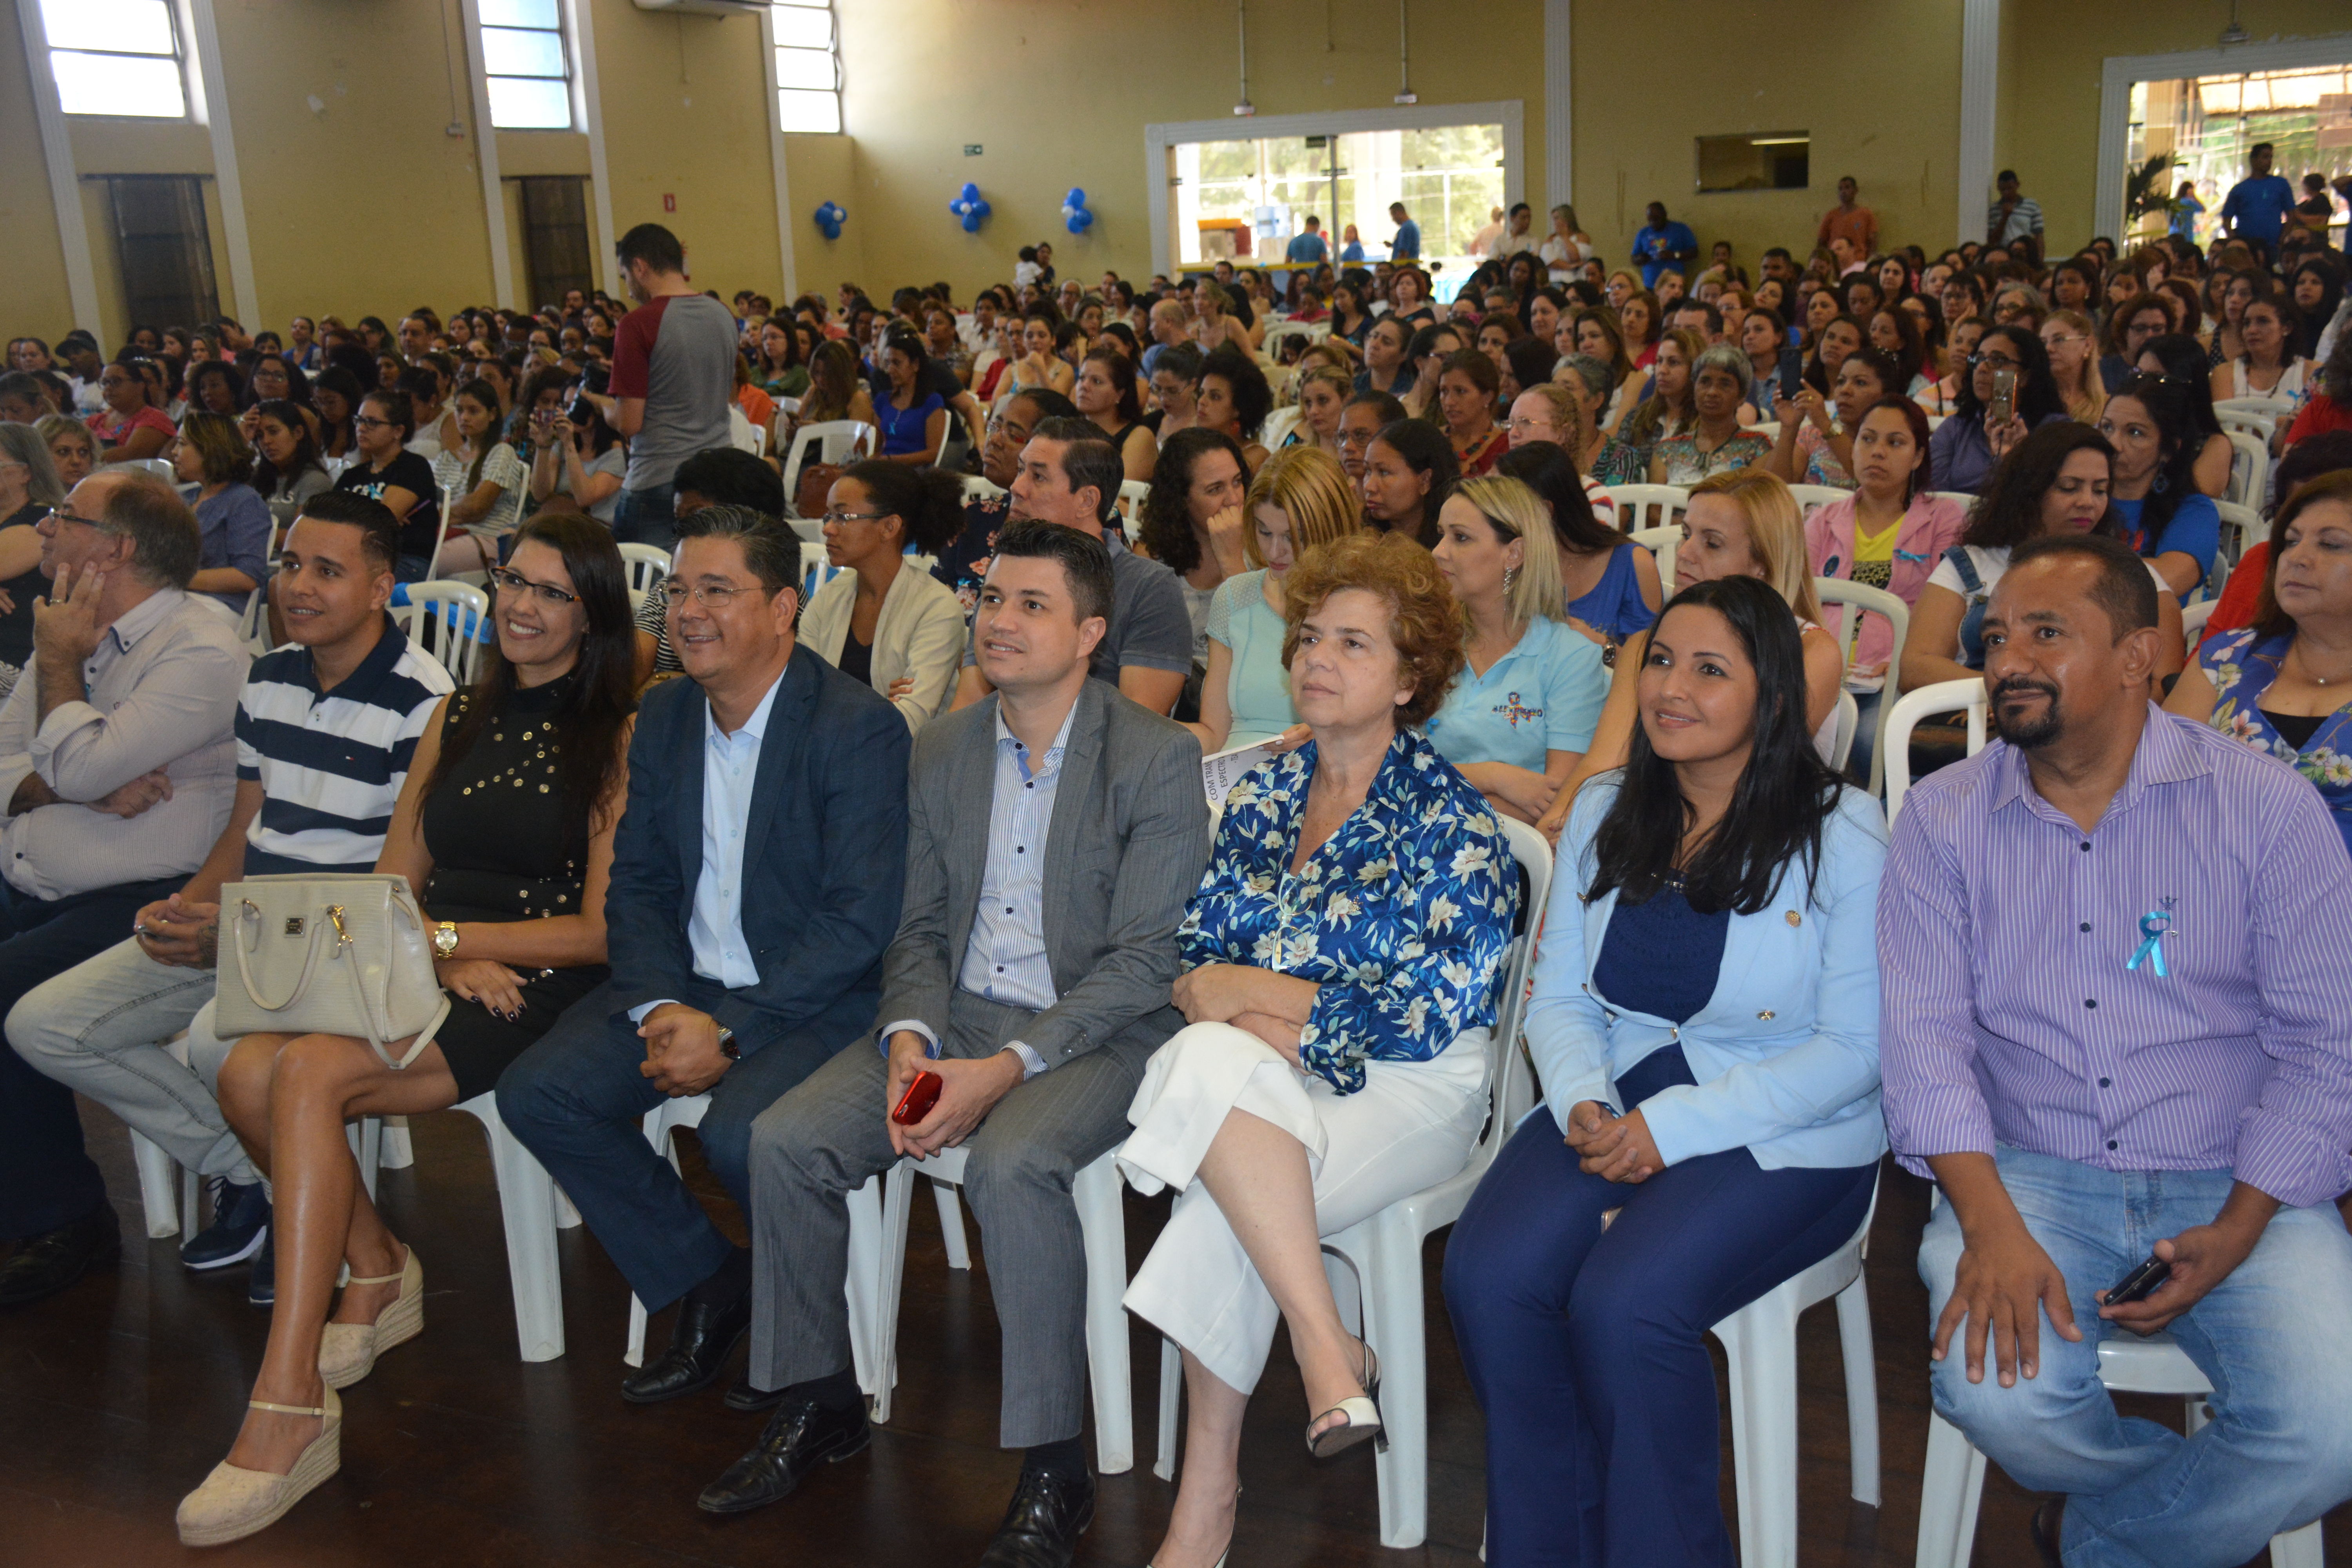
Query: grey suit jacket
point(1124, 854)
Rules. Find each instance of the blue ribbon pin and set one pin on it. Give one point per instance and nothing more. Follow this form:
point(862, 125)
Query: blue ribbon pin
point(2152, 927)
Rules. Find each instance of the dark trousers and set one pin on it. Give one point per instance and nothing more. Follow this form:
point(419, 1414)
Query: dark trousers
point(1586, 1348)
point(577, 1102)
point(46, 1180)
point(647, 517)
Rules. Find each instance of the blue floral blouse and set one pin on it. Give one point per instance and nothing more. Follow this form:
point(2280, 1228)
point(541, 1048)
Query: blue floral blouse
point(1402, 916)
point(2241, 665)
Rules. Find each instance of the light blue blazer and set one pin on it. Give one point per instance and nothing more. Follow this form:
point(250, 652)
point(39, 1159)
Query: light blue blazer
point(1785, 1051)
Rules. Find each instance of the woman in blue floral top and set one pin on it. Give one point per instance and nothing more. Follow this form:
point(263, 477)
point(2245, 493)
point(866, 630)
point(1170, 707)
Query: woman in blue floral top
point(1342, 960)
point(2283, 684)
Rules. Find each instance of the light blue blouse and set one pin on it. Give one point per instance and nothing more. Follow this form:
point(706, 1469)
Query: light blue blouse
point(1545, 695)
point(1257, 689)
point(1402, 916)
point(1786, 1049)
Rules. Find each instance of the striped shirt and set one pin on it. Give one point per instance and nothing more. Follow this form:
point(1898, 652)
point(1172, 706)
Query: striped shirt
point(2010, 1007)
point(330, 765)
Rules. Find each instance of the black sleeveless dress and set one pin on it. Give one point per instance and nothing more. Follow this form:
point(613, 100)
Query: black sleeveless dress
point(495, 829)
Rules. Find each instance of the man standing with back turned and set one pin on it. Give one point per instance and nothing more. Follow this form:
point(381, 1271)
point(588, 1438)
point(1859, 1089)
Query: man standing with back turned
point(673, 380)
point(2116, 1024)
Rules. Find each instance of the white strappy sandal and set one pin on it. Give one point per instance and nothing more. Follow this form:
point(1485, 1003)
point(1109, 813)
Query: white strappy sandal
point(1363, 1413)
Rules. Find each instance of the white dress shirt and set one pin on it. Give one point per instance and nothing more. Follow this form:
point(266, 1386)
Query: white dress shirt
point(1004, 960)
point(730, 767)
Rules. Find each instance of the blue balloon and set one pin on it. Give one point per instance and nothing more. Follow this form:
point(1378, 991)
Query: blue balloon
point(972, 221)
point(970, 192)
point(1076, 198)
point(829, 218)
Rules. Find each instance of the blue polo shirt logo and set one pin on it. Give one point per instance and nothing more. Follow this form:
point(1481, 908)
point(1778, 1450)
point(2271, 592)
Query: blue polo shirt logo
point(1513, 711)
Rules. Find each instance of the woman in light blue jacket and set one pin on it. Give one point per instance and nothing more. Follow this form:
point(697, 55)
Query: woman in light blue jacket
point(1705, 1023)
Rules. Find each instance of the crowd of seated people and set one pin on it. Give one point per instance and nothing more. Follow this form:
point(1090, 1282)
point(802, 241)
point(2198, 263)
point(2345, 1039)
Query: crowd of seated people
point(931, 815)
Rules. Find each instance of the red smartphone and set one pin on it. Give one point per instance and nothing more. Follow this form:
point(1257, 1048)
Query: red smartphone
point(917, 1102)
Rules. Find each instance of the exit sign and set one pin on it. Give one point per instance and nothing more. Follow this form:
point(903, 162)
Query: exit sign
point(972, 149)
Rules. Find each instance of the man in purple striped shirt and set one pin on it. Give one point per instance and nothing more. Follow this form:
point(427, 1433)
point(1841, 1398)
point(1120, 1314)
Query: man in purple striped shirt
point(2117, 1019)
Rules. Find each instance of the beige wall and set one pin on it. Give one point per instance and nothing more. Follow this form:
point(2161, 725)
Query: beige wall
point(368, 205)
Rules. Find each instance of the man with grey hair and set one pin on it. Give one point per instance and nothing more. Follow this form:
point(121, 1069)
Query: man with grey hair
point(118, 765)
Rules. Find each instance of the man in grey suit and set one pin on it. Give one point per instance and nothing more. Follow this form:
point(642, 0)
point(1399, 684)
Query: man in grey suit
point(1055, 832)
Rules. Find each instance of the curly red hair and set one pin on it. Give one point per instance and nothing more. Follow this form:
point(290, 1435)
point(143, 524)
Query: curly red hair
point(1425, 622)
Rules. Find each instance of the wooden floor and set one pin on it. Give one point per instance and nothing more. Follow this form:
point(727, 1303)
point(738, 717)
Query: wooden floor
point(116, 1398)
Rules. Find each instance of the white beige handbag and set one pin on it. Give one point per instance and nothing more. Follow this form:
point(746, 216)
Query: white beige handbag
point(328, 955)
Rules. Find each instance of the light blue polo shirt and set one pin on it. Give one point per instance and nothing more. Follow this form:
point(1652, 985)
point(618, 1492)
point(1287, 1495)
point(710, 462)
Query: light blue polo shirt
point(1545, 695)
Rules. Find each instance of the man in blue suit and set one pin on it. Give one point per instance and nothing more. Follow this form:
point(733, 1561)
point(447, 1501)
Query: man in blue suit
point(755, 885)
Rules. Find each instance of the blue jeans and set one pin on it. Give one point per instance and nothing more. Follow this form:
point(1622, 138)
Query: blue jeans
point(576, 1100)
point(647, 517)
point(2271, 1337)
point(46, 1180)
point(1587, 1349)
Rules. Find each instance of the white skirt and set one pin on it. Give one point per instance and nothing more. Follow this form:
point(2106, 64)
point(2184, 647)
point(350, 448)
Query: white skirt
point(1410, 1127)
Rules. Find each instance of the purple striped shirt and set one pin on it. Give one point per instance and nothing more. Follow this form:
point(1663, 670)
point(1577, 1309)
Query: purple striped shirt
point(2007, 1010)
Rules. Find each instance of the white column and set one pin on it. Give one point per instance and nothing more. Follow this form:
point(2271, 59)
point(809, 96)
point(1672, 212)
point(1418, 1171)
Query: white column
point(485, 157)
point(776, 153)
point(1980, 108)
point(1558, 111)
point(590, 104)
point(227, 179)
point(65, 191)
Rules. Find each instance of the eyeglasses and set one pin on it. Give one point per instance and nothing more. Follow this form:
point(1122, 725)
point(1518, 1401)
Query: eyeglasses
point(515, 583)
point(59, 514)
point(709, 595)
point(367, 423)
point(837, 516)
point(1359, 438)
point(1000, 426)
point(1996, 361)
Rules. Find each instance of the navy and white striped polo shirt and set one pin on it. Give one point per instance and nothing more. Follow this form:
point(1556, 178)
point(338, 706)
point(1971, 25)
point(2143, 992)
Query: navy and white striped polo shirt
point(331, 766)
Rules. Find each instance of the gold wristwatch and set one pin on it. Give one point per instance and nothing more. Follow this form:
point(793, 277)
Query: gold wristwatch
point(445, 940)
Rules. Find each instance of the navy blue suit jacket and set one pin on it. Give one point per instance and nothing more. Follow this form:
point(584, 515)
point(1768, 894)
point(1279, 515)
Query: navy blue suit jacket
point(825, 857)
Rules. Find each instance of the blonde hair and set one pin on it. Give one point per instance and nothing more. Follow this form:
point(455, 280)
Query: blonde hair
point(1332, 376)
point(1308, 485)
point(2091, 401)
point(1559, 398)
point(1515, 511)
point(1776, 534)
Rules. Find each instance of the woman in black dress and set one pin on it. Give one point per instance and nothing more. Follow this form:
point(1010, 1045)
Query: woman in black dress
point(505, 824)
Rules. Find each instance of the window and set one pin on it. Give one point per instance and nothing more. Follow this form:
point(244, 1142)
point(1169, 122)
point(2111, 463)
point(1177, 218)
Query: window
point(116, 57)
point(164, 248)
point(808, 67)
point(524, 55)
point(555, 236)
point(1762, 161)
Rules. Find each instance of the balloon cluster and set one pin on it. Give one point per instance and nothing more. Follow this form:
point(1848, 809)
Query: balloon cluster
point(969, 207)
point(830, 217)
point(1075, 216)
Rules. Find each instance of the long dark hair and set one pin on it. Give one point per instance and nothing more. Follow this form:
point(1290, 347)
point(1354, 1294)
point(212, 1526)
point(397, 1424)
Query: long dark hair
point(928, 502)
point(1166, 531)
point(2037, 394)
point(345, 386)
point(1785, 795)
point(2167, 401)
point(2009, 511)
point(594, 712)
point(486, 394)
point(1549, 470)
point(1425, 449)
point(2183, 359)
point(266, 477)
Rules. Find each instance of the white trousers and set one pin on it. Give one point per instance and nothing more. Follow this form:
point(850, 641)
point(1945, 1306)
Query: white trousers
point(1410, 1127)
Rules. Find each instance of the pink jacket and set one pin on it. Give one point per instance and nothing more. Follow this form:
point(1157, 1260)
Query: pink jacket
point(1931, 527)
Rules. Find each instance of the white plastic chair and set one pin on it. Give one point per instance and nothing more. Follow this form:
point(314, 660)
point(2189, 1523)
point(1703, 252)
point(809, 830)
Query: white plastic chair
point(1960, 498)
point(1860, 599)
point(835, 440)
point(1810, 496)
point(1895, 741)
point(647, 565)
point(532, 1207)
point(2243, 527)
point(2193, 624)
point(977, 488)
point(1769, 429)
point(1953, 1483)
point(167, 1200)
point(864, 1261)
point(2249, 467)
point(817, 569)
point(2258, 417)
point(1130, 505)
point(1102, 1225)
point(1849, 721)
point(253, 625)
point(456, 625)
point(1375, 1265)
point(1668, 502)
point(1760, 1348)
point(1662, 543)
point(1278, 423)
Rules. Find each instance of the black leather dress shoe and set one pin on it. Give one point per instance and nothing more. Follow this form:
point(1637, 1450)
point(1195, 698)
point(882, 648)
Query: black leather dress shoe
point(799, 1437)
point(742, 1396)
point(1051, 1509)
point(2049, 1522)
point(705, 1337)
point(45, 1264)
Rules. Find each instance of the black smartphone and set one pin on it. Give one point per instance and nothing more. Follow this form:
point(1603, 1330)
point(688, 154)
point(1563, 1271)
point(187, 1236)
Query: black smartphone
point(1792, 372)
point(2135, 1285)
